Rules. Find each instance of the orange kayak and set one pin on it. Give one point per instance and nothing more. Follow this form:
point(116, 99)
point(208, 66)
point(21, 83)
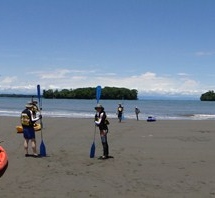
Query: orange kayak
point(3, 158)
point(37, 127)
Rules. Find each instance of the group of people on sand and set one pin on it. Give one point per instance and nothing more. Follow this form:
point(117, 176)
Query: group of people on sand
point(30, 116)
point(120, 110)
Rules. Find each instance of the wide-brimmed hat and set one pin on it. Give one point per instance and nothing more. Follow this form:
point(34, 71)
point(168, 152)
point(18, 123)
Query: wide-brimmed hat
point(28, 105)
point(99, 106)
point(34, 102)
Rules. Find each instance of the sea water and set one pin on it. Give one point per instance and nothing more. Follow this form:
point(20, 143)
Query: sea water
point(160, 109)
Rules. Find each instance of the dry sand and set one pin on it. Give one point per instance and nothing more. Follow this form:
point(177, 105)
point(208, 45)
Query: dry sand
point(162, 159)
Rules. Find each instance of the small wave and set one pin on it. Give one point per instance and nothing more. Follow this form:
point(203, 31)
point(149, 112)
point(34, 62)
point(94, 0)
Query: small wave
point(10, 113)
point(87, 114)
point(187, 115)
point(68, 114)
point(203, 116)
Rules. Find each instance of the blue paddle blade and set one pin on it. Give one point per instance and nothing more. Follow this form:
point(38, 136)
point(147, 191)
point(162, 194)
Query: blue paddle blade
point(92, 151)
point(42, 149)
point(98, 93)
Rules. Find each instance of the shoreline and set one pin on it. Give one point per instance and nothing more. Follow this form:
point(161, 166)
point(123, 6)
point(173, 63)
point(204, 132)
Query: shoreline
point(190, 117)
point(168, 158)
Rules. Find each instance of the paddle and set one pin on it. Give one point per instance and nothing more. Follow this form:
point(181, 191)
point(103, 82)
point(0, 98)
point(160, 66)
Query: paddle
point(93, 147)
point(42, 145)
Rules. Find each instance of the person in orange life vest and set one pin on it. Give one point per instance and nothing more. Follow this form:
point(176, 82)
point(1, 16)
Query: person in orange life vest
point(27, 121)
point(100, 121)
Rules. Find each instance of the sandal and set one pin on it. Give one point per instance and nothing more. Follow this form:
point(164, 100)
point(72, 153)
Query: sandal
point(103, 157)
point(35, 155)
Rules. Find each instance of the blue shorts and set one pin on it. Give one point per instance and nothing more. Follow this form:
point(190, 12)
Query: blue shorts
point(28, 133)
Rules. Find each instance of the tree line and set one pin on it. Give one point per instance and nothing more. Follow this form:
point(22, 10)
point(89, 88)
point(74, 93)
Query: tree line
point(18, 95)
point(208, 96)
point(90, 93)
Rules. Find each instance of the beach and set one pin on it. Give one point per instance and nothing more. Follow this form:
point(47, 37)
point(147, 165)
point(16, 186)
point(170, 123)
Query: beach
point(162, 159)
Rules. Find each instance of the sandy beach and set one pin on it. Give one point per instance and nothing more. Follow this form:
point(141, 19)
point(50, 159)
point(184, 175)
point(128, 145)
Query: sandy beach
point(162, 159)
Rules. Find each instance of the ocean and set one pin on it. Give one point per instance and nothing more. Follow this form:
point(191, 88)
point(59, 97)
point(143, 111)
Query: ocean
point(160, 109)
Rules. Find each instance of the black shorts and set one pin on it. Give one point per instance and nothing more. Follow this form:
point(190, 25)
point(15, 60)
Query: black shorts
point(28, 133)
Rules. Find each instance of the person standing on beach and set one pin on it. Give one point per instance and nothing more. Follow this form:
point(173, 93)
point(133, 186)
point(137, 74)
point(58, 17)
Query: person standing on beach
point(120, 112)
point(27, 121)
point(137, 111)
point(101, 122)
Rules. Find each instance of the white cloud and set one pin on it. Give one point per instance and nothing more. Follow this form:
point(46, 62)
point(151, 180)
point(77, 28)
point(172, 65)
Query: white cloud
point(57, 74)
point(148, 82)
point(60, 73)
point(183, 74)
point(201, 53)
point(8, 80)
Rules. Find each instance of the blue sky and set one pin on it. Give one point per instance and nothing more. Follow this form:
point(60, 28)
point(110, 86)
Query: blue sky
point(159, 47)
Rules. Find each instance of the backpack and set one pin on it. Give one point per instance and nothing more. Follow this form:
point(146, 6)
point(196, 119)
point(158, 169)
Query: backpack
point(107, 121)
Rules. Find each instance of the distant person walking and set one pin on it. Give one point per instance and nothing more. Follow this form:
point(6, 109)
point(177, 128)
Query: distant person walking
point(137, 111)
point(120, 112)
point(27, 121)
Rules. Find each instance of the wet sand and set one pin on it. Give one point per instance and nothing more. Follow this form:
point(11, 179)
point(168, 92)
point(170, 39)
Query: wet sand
point(161, 159)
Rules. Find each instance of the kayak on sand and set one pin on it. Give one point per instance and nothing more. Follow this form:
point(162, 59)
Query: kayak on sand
point(151, 119)
point(37, 127)
point(3, 159)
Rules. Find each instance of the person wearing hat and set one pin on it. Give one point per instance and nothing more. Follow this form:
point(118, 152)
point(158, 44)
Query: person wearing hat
point(35, 108)
point(100, 121)
point(27, 121)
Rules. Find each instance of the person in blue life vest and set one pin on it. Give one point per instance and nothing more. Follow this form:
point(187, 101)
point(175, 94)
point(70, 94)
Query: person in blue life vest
point(101, 122)
point(120, 112)
point(28, 120)
point(137, 111)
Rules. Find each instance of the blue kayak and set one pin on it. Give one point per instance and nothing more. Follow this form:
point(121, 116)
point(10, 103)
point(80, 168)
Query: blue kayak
point(151, 119)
